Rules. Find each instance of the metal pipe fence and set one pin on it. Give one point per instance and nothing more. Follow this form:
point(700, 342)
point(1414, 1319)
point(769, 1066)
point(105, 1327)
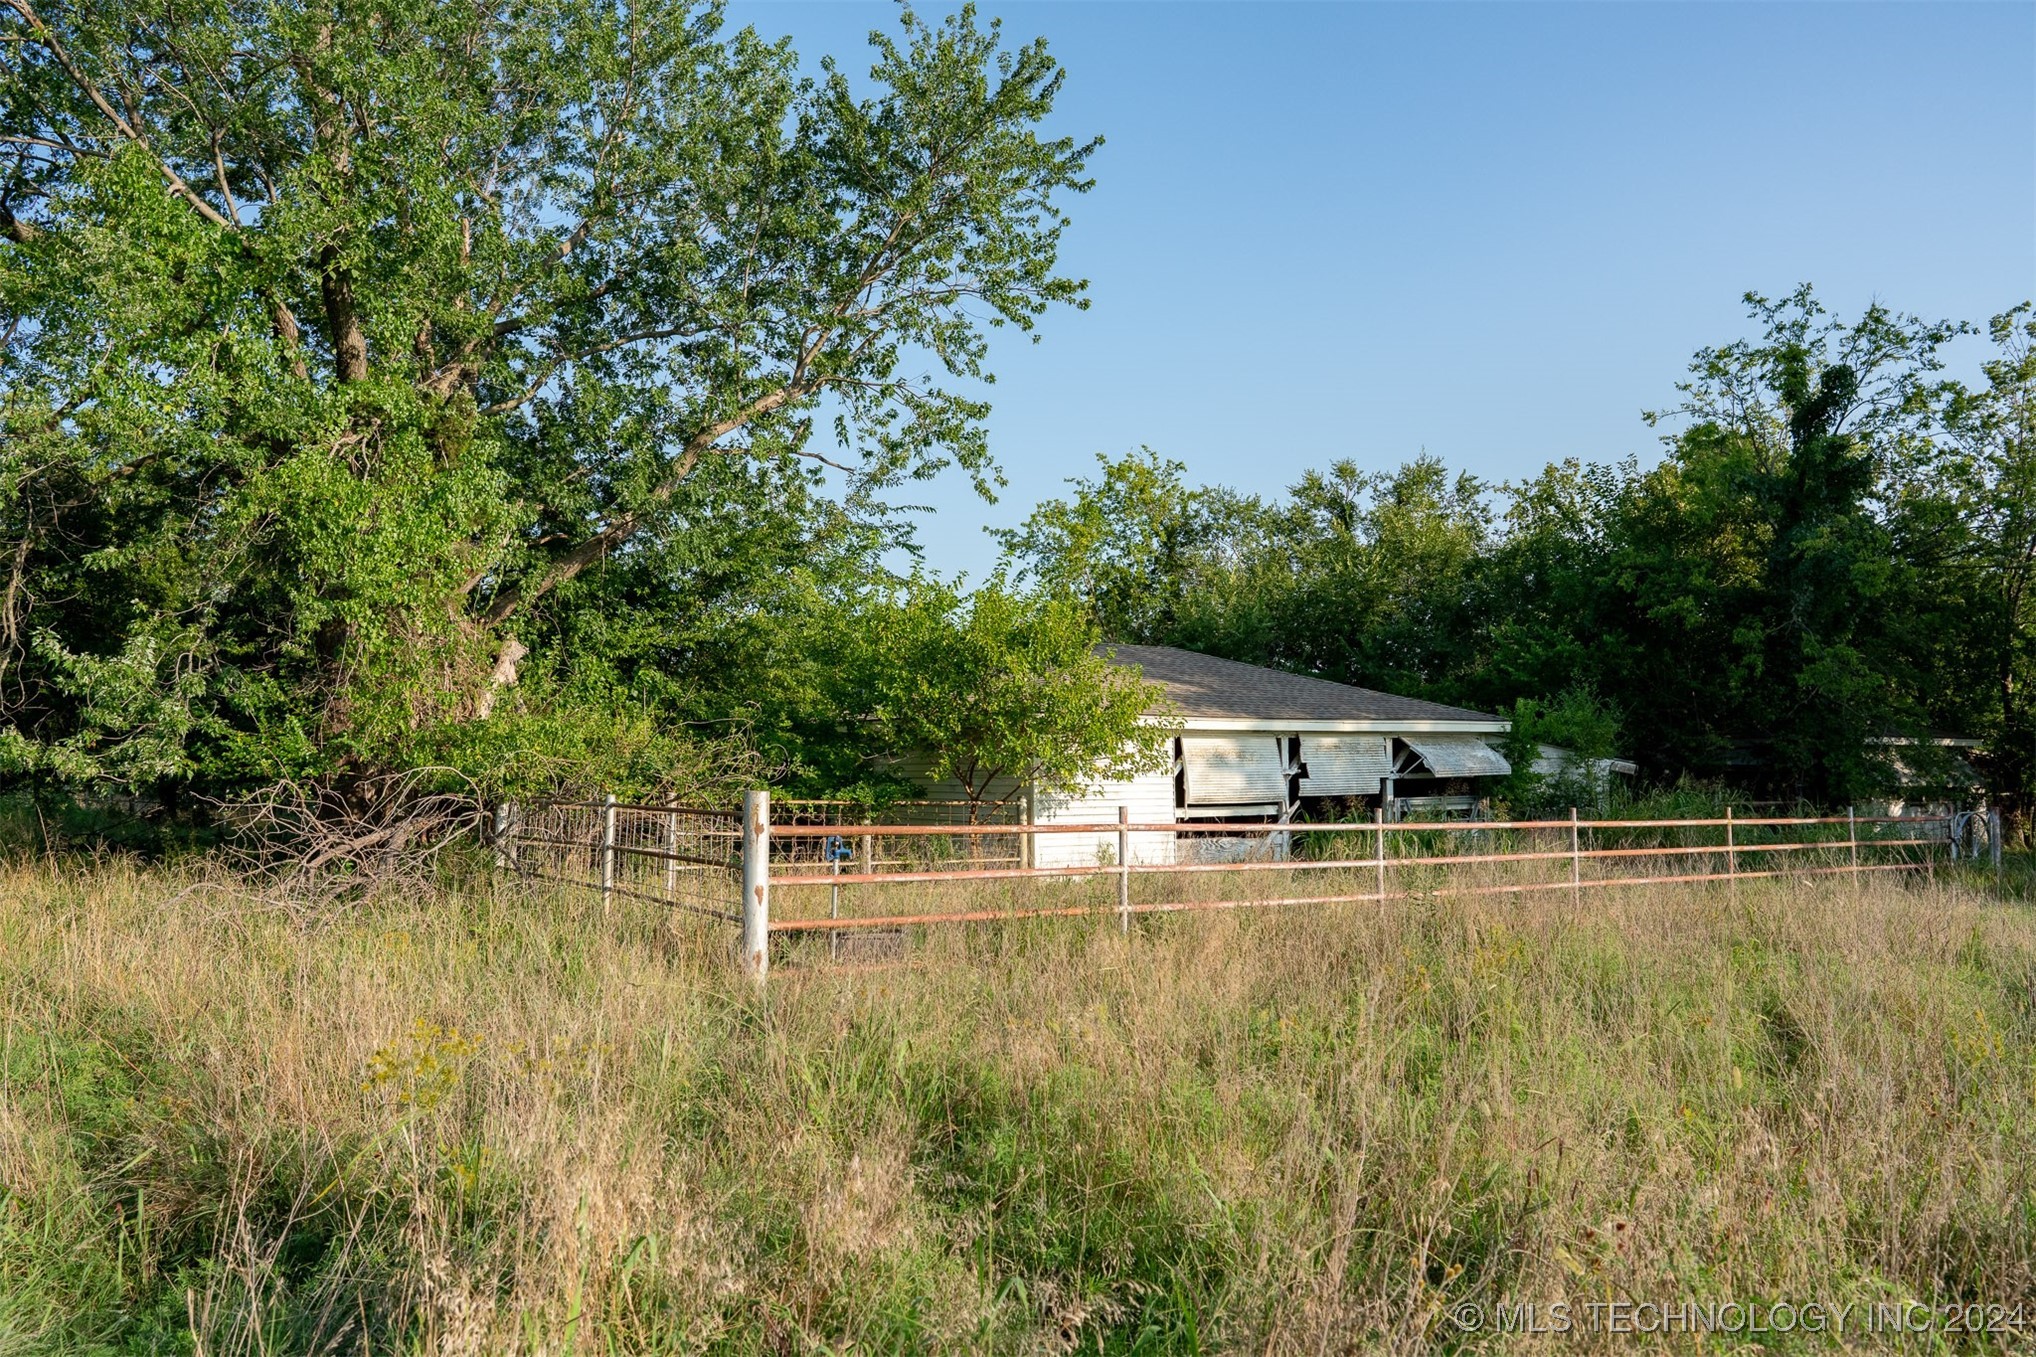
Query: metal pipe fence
point(861, 838)
point(827, 870)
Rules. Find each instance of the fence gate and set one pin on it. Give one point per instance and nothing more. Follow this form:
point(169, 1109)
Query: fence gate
point(687, 857)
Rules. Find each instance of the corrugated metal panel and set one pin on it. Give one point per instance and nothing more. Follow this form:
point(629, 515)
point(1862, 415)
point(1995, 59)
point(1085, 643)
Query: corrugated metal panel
point(1345, 765)
point(1229, 768)
point(1458, 755)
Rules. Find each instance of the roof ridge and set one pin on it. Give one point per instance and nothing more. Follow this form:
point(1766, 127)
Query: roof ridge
point(1218, 686)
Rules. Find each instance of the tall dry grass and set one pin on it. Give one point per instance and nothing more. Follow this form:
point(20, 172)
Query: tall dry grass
point(469, 1123)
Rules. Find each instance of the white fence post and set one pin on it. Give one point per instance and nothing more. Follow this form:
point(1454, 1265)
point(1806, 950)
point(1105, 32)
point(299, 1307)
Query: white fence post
point(1575, 861)
point(500, 834)
point(1123, 870)
point(756, 886)
point(1994, 841)
point(608, 853)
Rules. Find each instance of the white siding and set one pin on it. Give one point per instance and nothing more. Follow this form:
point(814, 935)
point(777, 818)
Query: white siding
point(913, 768)
point(1150, 798)
point(1225, 769)
point(1345, 765)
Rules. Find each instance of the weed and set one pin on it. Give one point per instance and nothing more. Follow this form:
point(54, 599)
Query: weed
point(473, 1123)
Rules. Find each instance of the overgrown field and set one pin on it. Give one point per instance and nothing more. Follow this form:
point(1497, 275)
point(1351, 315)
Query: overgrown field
point(463, 1124)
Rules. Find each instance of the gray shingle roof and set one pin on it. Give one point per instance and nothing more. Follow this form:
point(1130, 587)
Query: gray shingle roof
point(1204, 686)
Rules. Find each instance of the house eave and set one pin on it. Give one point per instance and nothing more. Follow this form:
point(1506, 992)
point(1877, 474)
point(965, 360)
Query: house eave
point(1269, 726)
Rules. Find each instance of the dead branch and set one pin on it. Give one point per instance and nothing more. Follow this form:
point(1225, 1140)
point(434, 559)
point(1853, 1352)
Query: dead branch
point(316, 844)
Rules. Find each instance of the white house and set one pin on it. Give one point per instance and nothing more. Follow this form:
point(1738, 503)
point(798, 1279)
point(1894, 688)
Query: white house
point(1256, 744)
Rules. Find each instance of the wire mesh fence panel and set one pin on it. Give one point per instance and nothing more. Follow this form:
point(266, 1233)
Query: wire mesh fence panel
point(687, 857)
point(556, 841)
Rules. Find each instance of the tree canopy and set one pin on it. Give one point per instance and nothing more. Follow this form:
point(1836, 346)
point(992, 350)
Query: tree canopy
point(519, 391)
point(1834, 550)
point(352, 352)
point(1000, 692)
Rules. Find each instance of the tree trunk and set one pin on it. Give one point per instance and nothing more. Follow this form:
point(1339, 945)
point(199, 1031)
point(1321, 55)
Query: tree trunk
point(502, 676)
point(342, 319)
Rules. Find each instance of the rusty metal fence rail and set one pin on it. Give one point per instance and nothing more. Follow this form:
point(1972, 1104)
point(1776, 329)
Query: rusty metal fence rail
point(823, 872)
point(856, 838)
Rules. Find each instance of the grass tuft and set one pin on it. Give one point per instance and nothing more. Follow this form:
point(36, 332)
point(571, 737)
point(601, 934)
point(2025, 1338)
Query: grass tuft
point(472, 1123)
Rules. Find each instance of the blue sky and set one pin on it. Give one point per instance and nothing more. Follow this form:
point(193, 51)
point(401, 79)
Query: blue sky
point(1492, 232)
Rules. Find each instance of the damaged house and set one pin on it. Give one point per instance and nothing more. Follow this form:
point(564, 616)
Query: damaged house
point(1265, 745)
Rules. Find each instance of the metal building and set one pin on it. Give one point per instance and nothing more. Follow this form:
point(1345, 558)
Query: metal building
point(1263, 744)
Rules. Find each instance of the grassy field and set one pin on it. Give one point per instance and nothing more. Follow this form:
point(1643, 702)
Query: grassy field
point(467, 1124)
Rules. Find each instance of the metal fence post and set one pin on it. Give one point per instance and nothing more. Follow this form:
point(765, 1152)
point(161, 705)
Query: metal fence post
point(672, 848)
point(1575, 861)
point(1025, 841)
point(1994, 842)
point(1123, 870)
point(500, 835)
point(756, 886)
point(608, 853)
point(1852, 842)
point(1731, 855)
point(833, 899)
point(1378, 819)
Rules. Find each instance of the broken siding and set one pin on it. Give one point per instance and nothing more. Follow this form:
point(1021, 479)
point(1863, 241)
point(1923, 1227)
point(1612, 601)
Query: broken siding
point(1458, 755)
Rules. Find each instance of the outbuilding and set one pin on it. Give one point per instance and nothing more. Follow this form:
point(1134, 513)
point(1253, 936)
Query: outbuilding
point(1263, 744)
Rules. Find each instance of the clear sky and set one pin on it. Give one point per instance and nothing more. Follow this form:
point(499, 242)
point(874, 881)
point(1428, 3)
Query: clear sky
point(1493, 232)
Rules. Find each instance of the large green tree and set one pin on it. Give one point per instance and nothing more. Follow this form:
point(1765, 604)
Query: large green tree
point(1965, 511)
point(1133, 543)
point(346, 341)
point(1756, 583)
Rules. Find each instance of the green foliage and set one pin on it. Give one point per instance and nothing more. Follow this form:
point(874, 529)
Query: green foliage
point(1000, 690)
point(1835, 548)
point(346, 348)
point(380, 391)
point(1576, 721)
point(1130, 544)
point(1965, 510)
point(1753, 562)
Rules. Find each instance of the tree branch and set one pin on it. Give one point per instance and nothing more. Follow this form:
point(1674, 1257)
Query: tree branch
point(529, 392)
point(624, 525)
point(121, 124)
